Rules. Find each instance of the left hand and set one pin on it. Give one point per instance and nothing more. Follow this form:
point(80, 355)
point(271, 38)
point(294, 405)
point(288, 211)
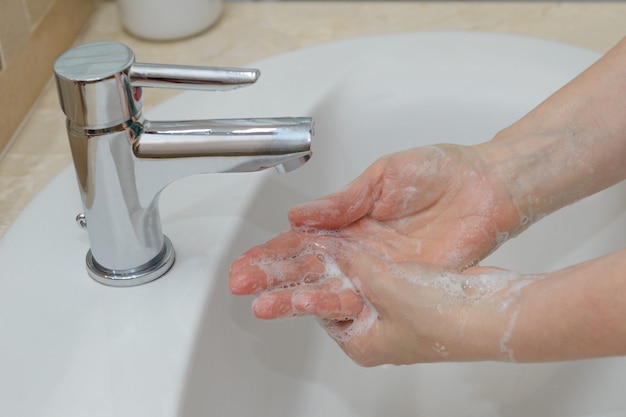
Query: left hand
point(378, 310)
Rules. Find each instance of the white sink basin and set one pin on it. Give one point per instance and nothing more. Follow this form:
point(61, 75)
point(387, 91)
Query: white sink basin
point(183, 345)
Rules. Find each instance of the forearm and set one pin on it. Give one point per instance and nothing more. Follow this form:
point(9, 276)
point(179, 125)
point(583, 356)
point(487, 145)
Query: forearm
point(570, 146)
point(574, 313)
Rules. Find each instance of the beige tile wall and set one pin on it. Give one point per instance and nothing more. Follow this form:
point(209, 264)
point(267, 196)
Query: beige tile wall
point(32, 34)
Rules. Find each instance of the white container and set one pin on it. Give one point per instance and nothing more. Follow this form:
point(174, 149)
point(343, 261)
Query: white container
point(163, 20)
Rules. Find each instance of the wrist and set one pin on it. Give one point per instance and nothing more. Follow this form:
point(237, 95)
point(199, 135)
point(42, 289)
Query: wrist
point(573, 313)
point(523, 166)
point(492, 323)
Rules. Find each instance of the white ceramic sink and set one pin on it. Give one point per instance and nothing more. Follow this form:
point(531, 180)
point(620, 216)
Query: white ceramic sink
point(183, 345)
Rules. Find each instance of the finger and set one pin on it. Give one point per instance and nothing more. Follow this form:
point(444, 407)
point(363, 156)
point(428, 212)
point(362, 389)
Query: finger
point(249, 273)
point(367, 270)
point(341, 208)
point(344, 304)
point(327, 301)
point(274, 305)
point(269, 275)
point(283, 246)
point(251, 280)
point(357, 337)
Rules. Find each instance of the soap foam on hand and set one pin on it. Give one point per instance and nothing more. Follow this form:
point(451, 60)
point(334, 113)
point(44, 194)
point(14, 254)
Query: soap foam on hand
point(294, 302)
point(472, 288)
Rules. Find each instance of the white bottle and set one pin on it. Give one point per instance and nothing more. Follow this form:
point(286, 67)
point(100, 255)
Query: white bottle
point(162, 20)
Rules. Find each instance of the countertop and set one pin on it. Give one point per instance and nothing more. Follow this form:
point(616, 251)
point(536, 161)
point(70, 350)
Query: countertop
point(248, 32)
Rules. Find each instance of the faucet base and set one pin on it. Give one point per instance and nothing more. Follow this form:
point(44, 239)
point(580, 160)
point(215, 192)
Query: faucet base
point(143, 274)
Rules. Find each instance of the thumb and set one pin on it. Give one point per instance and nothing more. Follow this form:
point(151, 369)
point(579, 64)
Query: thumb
point(339, 209)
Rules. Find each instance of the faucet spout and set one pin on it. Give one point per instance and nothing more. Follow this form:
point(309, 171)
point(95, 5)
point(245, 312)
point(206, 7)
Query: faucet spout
point(166, 151)
point(235, 145)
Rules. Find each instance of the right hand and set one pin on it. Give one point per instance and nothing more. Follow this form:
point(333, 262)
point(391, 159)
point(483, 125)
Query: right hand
point(439, 205)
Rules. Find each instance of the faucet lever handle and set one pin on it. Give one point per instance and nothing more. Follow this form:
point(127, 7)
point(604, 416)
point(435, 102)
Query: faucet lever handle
point(191, 77)
point(89, 76)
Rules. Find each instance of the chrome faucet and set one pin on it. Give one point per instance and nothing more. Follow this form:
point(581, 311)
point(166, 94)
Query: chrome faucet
point(124, 161)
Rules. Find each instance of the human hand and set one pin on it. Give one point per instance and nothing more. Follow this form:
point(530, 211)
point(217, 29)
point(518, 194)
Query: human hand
point(438, 204)
point(381, 311)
